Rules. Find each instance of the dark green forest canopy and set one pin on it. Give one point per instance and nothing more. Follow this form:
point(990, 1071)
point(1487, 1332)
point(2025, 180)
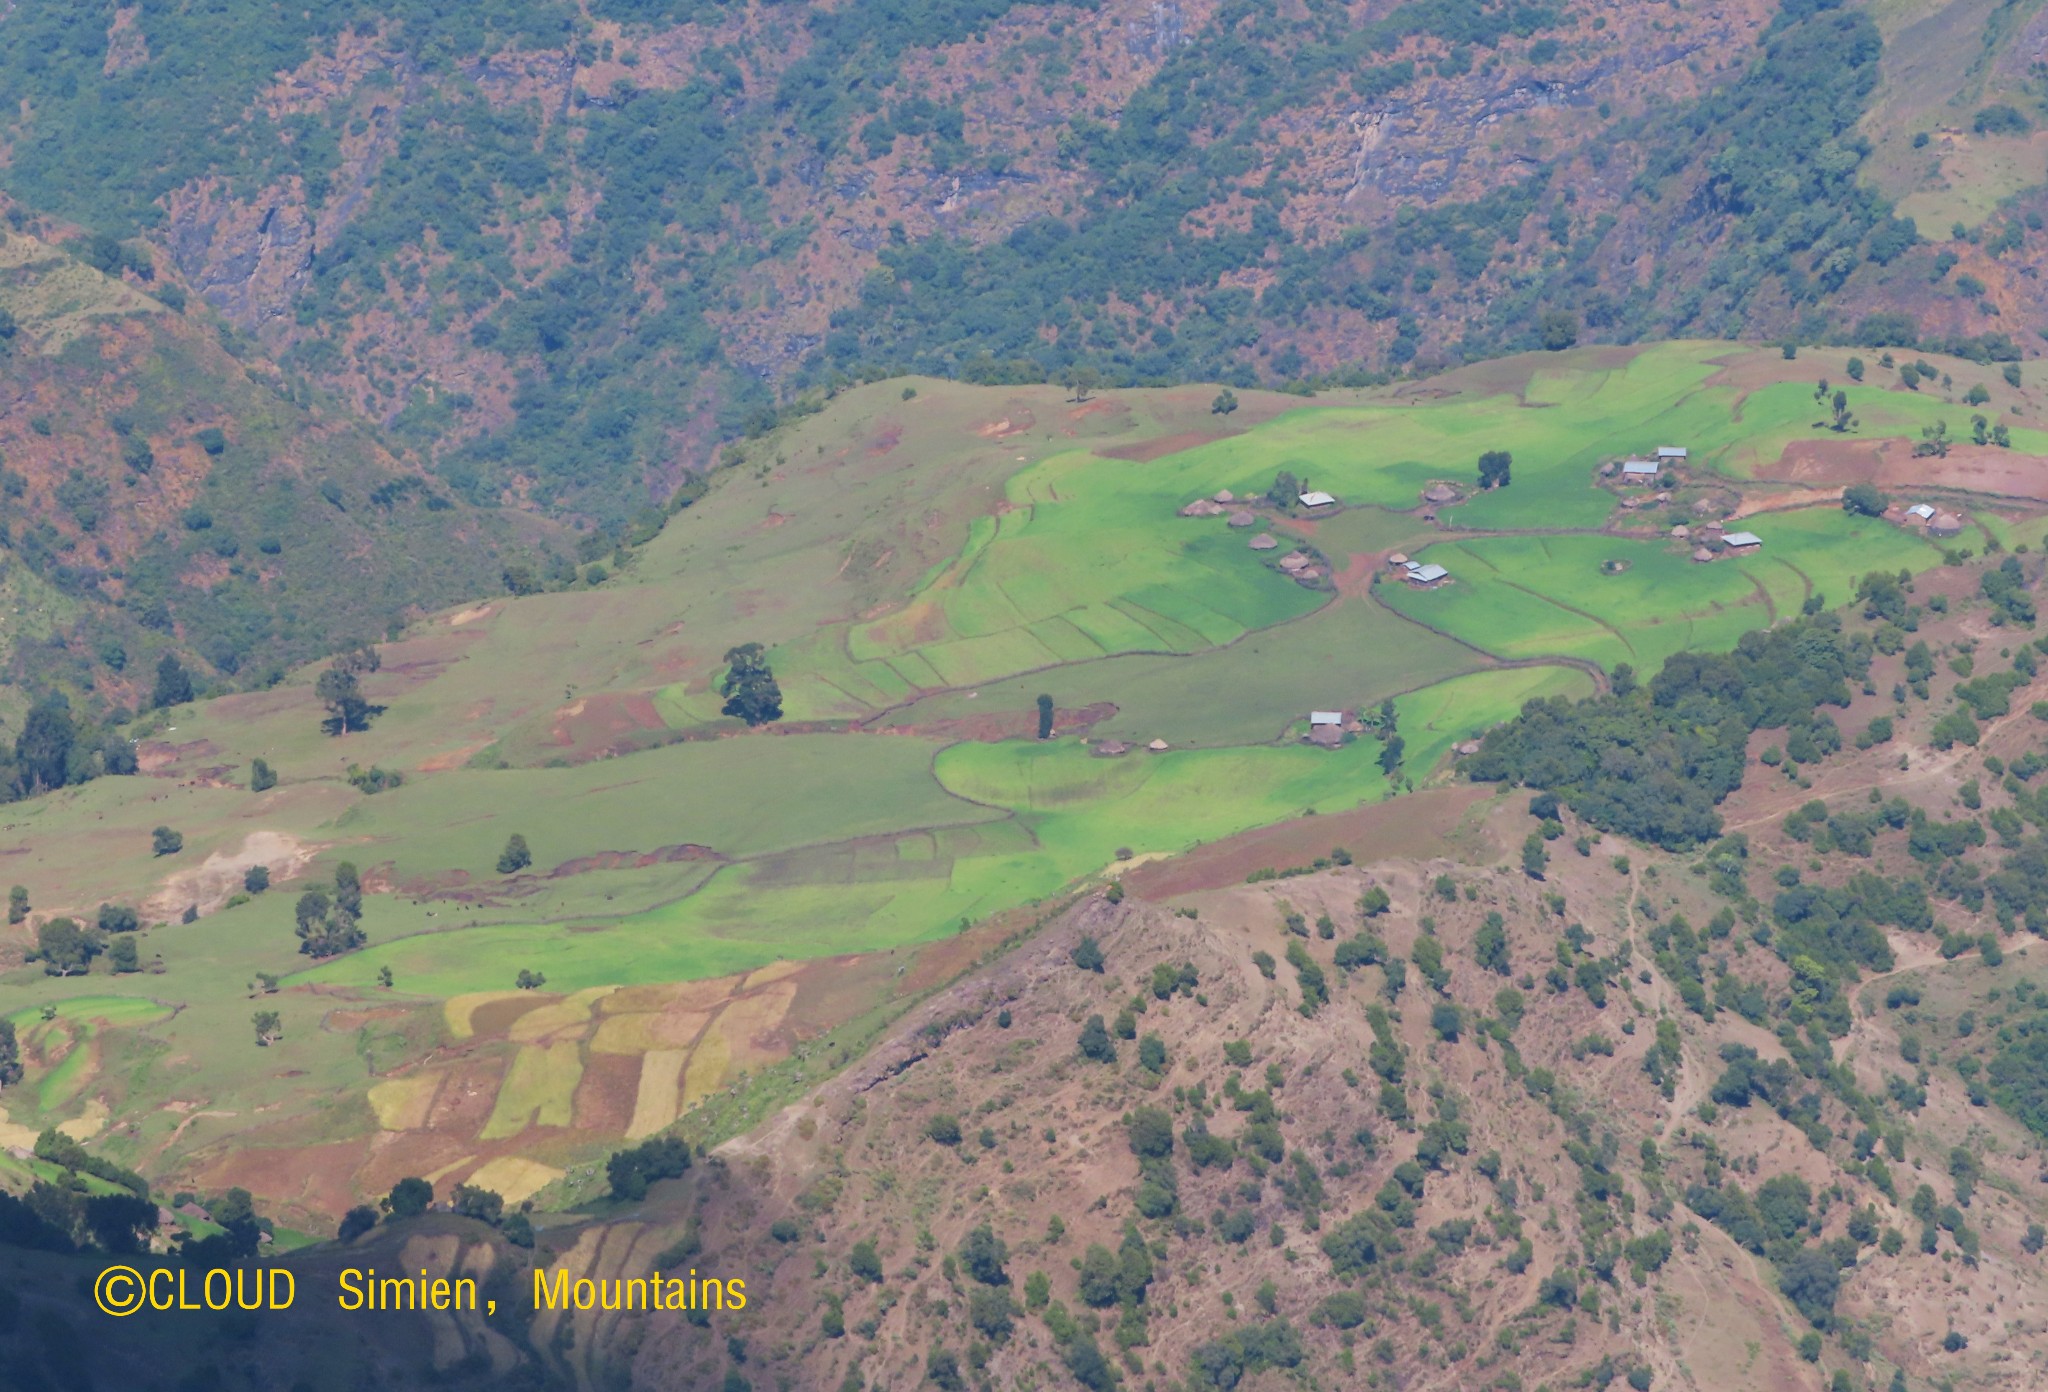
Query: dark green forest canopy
point(1656, 762)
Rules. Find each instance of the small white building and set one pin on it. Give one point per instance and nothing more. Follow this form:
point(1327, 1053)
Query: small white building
point(1921, 511)
point(1638, 471)
point(1325, 718)
point(1671, 454)
point(1425, 574)
point(1317, 499)
point(1742, 541)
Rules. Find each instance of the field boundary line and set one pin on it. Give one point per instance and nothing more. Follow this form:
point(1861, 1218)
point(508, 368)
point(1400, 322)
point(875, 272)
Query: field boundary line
point(1560, 604)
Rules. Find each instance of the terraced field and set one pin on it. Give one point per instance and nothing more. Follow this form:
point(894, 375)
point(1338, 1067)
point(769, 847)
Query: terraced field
point(921, 566)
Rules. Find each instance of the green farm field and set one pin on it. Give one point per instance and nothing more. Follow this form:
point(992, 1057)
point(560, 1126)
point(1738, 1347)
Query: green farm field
point(920, 568)
point(1530, 596)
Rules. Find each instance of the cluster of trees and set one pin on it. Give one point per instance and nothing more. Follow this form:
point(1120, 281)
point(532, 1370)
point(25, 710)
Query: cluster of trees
point(97, 1204)
point(329, 920)
point(66, 948)
point(631, 1171)
point(1655, 762)
point(57, 749)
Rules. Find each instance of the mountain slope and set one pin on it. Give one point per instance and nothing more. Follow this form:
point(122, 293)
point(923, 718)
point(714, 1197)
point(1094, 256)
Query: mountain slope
point(560, 255)
point(178, 498)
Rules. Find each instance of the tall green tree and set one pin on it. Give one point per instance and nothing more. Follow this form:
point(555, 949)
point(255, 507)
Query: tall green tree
point(262, 777)
point(515, 856)
point(64, 947)
point(42, 751)
point(17, 904)
point(173, 683)
point(1494, 467)
point(10, 1055)
point(749, 686)
point(1045, 713)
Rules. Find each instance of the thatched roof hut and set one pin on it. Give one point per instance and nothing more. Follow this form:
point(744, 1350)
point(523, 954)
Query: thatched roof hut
point(1681, 531)
point(1439, 493)
point(1157, 746)
point(1110, 749)
point(1243, 517)
point(1703, 555)
point(1202, 507)
point(1264, 542)
point(1399, 558)
point(1294, 560)
point(1945, 524)
point(1224, 495)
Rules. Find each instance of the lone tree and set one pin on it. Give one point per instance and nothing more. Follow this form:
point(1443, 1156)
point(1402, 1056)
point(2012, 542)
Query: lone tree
point(1843, 419)
point(1493, 468)
point(1224, 404)
point(64, 947)
point(530, 980)
point(173, 683)
point(1864, 499)
point(1557, 330)
point(256, 879)
point(269, 1028)
point(163, 841)
point(340, 689)
point(515, 856)
point(749, 686)
point(262, 777)
point(1045, 709)
point(1080, 379)
point(409, 1198)
point(10, 1055)
point(17, 904)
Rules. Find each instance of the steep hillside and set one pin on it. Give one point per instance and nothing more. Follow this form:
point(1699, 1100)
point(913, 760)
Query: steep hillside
point(1419, 1121)
point(166, 495)
point(561, 252)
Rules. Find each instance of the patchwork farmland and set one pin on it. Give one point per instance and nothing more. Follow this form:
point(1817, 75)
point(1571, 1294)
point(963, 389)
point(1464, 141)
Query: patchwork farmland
point(707, 906)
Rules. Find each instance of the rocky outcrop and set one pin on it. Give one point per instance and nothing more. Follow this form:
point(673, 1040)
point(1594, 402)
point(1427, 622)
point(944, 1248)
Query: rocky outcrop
point(251, 260)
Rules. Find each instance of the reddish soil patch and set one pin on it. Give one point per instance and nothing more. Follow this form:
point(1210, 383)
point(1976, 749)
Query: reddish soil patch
point(591, 723)
point(633, 860)
point(317, 1179)
point(605, 1096)
point(1003, 725)
point(1016, 423)
point(158, 756)
point(453, 759)
point(1892, 464)
point(886, 439)
point(1415, 825)
point(1145, 451)
point(1094, 408)
point(1357, 576)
